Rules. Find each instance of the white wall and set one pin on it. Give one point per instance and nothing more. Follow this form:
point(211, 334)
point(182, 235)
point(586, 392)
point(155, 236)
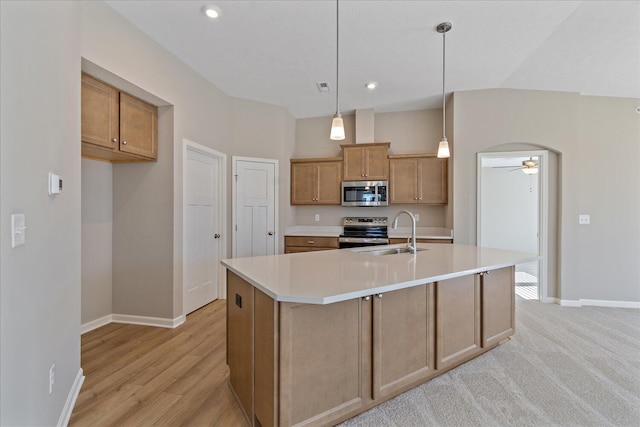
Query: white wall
point(574, 126)
point(509, 209)
point(97, 236)
point(40, 281)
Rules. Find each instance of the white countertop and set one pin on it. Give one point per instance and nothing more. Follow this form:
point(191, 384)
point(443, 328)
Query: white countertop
point(337, 275)
point(400, 232)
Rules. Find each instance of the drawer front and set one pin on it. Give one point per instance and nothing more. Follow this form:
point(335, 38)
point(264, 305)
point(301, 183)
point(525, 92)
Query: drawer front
point(311, 241)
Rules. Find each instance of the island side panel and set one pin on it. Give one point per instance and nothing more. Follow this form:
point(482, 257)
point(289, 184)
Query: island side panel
point(240, 295)
point(457, 320)
point(265, 359)
point(498, 305)
point(403, 339)
point(324, 350)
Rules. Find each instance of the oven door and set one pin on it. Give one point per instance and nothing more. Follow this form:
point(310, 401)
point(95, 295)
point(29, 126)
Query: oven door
point(357, 242)
point(364, 193)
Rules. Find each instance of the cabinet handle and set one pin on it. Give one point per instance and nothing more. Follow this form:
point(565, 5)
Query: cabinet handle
point(216, 236)
point(124, 142)
point(367, 298)
point(379, 296)
point(114, 140)
point(310, 242)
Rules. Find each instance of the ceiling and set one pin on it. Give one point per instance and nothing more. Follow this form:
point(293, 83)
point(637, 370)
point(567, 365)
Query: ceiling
point(276, 51)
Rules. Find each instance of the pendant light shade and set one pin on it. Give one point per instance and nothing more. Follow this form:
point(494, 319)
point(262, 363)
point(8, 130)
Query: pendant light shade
point(337, 125)
point(443, 147)
point(337, 128)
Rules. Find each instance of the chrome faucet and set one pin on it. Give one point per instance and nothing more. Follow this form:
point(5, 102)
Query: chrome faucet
point(411, 245)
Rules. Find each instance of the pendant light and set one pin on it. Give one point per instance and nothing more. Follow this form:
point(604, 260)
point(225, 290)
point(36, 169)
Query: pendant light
point(337, 125)
point(443, 147)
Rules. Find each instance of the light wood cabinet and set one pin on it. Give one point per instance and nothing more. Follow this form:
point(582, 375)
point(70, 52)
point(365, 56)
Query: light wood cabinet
point(365, 161)
point(316, 181)
point(497, 289)
point(308, 364)
point(293, 244)
point(403, 339)
point(417, 179)
point(458, 320)
point(116, 127)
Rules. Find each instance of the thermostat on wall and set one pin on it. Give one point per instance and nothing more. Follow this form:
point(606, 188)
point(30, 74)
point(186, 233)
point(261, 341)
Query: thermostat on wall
point(55, 184)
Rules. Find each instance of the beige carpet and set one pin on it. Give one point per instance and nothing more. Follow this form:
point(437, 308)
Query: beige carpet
point(563, 367)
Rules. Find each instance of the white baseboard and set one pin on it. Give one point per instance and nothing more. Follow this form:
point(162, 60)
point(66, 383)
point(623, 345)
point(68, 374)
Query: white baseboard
point(599, 303)
point(95, 324)
point(149, 321)
point(63, 421)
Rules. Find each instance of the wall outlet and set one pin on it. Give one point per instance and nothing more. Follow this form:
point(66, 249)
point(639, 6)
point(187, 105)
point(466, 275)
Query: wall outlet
point(417, 217)
point(584, 219)
point(52, 377)
point(317, 217)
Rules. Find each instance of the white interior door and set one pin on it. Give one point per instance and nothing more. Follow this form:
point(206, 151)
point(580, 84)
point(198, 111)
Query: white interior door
point(203, 224)
point(255, 192)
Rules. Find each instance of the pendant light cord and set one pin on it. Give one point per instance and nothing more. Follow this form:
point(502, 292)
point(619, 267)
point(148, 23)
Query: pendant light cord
point(337, 56)
point(443, 103)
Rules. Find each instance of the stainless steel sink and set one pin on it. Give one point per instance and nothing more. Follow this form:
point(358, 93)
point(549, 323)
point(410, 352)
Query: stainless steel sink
point(389, 251)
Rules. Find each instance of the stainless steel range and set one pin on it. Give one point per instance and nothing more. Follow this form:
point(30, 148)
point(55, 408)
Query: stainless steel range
point(363, 231)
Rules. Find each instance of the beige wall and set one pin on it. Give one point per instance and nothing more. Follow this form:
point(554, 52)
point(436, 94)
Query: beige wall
point(408, 131)
point(97, 232)
point(574, 126)
point(40, 281)
point(147, 268)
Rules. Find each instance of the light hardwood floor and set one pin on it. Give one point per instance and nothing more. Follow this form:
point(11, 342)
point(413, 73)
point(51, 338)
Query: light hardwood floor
point(142, 375)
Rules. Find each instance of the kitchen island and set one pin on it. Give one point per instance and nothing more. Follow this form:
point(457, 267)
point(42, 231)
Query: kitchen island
point(316, 338)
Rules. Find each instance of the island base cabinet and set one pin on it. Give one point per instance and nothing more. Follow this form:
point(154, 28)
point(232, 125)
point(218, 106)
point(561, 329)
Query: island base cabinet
point(324, 361)
point(458, 320)
point(498, 305)
point(403, 339)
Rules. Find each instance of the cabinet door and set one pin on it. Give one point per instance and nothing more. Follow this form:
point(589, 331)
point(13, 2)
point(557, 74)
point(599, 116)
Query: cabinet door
point(403, 338)
point(325, 353)
point(303, 183)
point(457, 320)
point(138, 127)
point(376, 163)
point(100, 120)
point(498, 305)
point(432, 180)
point(353, 163)
point(329, 176)
point(402, 181)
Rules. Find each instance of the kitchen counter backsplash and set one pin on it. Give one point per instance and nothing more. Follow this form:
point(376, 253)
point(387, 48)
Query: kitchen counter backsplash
point(332, 231)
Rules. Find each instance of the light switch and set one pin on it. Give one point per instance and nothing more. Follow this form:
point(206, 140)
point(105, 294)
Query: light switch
point(417, 216)
point(584, 219)
point(18, 230)
point(55, 184)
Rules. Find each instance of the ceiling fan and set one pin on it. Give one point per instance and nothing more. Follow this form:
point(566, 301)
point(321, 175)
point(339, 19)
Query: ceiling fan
point(529, 167)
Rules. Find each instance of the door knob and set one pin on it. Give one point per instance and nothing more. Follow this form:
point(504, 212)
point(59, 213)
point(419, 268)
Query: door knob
point(270, 233)
point(216, 236)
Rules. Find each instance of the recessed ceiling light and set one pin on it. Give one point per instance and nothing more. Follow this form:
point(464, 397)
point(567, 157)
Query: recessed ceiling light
point(371, 85)
point(211, 11)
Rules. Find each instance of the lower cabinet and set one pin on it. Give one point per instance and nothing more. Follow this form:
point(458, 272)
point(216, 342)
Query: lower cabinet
point(293, 244)
point(306, 364)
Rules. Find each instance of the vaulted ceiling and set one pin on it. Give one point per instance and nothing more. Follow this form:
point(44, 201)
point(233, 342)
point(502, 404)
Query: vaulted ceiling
point(276, 51)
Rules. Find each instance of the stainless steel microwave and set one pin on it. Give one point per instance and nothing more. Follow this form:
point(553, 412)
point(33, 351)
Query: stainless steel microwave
point(365, 193)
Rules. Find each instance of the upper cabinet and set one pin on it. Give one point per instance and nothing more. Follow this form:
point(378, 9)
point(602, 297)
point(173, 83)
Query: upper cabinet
point(116, 126)
point(365, 161)
point(316, 181)
point(417, 179)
